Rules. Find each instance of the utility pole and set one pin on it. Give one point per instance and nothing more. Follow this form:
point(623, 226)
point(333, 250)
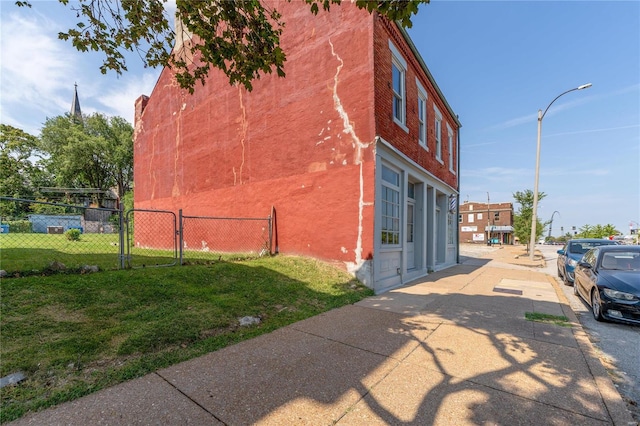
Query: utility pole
point(488, 221)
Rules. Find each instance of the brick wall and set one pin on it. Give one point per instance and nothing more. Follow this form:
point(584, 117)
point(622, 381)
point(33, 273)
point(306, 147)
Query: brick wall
point(388, 129)
point(494, 214)
point(303, 144)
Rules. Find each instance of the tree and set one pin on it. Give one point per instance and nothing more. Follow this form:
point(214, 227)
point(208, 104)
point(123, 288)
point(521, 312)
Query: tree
point(21, 168)
point(241, 38)
point(118, 137)
point(522, 219)
point(94, 153)
point(597, 231)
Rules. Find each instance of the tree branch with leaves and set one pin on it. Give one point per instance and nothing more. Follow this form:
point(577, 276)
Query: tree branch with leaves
point(241, 38)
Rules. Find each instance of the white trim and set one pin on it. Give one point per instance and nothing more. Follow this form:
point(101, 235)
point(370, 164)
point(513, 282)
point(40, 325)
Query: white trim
point(398, 61)
point(438, 133)
point(398, 189)
point(422, 95)
point(451, 143)
point(445, 187)
point(395, 52)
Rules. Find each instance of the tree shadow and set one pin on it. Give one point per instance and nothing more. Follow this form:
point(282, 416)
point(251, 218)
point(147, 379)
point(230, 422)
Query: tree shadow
point(447, 350)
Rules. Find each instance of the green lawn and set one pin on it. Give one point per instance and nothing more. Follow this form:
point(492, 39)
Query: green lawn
point(74, 334)
point(42, 254)
point(32, 253)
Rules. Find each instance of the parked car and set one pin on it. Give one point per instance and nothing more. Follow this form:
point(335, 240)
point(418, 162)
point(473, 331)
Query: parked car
point(572, 252)
point(608, 279)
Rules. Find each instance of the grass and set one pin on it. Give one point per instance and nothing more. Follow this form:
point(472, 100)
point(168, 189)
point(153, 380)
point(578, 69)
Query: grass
point(42, 254)
point(27, 254)
point(560, 320)
point(75, 334)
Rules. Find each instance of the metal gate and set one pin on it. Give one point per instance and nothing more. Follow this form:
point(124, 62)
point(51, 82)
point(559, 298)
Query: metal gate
point(152, 238)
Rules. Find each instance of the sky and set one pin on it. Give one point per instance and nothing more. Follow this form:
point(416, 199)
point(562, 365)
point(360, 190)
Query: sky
point(496, 62)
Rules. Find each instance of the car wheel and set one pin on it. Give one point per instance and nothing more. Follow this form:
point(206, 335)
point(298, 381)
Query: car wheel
point(596, 308)
point(565, 278)
point(559, 274)
point(575, 289)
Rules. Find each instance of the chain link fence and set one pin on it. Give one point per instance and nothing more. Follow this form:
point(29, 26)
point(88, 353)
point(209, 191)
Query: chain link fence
point(54, 237)
point(215, 238)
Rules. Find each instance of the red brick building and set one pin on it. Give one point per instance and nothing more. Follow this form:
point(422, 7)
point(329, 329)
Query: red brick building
point(356, 149)
point(482, 222)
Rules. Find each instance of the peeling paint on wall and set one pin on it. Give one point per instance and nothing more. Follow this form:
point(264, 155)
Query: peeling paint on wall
point(237, 176)
point(359, 154)
point(175, 191)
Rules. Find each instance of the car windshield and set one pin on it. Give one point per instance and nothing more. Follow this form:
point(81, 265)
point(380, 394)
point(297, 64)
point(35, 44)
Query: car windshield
point(621, 261)
point(583, 247)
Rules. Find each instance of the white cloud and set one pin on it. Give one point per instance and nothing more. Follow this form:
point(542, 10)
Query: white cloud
point(38, 71)
point(34, 65)
point(120, 99)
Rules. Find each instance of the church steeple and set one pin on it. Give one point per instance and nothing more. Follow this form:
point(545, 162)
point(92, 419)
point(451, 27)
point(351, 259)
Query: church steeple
point(76, 112)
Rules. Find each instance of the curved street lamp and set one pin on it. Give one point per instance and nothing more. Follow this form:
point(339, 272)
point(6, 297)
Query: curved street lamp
point(551, 221)
point(534, 217)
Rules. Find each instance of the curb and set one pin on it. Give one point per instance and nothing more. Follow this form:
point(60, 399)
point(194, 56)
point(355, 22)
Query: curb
point(610, 396)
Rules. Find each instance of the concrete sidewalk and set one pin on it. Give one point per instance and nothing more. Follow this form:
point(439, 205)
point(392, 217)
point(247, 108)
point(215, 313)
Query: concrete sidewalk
point(452, 349)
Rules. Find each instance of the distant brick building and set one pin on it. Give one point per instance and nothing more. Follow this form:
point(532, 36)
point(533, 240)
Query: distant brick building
point(482, 222)
point(356, 149)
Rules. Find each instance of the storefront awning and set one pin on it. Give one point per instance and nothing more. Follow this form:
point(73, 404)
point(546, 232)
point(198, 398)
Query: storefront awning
point(503, 229)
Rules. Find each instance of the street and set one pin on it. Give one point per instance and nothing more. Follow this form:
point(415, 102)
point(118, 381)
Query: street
point(618, 344)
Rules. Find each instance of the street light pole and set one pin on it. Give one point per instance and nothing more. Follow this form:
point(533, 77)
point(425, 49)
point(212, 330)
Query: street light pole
point(534, 216)
point(551, 222)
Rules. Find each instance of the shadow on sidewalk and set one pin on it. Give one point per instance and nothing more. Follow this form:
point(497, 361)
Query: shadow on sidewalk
point(463, 359)
point(456, 358)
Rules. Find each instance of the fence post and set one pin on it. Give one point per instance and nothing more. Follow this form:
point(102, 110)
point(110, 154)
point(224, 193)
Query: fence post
point(272, 219)
point(121, 234)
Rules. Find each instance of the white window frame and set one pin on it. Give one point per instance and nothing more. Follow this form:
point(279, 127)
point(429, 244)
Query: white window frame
point(438, 133)
point(470, 218)
point(390, 232)
point(399, 112)
point(450, 138)
point(422, 116)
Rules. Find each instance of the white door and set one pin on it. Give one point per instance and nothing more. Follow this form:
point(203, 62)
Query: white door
point(410, 251)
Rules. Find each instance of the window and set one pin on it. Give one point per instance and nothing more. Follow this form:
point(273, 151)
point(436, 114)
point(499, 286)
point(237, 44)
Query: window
point(422, 115)
point(451, 233)
point(479, 216)
point(459, 218)
point(411, 195)
point(438, 132)
point(390, 229)
point(450, 140)
point(470, 217)
point(398, 74)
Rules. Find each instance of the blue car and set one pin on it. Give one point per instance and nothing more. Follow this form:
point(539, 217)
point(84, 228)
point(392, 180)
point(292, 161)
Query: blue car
point(572, 252)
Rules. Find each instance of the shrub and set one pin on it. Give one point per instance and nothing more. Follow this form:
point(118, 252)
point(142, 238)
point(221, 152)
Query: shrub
point(19, 226)
point(73, 234)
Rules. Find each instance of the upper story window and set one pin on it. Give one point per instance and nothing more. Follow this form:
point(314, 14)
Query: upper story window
point(450, 140)
point(438, 132)
point(422, 115)
point(398, 76)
